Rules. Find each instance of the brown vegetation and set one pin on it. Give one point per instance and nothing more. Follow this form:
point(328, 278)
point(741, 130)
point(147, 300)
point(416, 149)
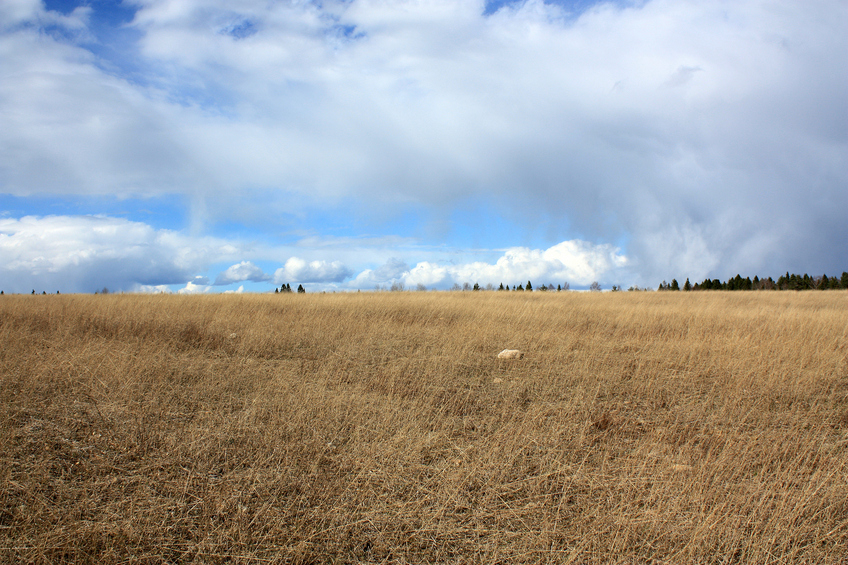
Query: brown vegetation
point(381, 428)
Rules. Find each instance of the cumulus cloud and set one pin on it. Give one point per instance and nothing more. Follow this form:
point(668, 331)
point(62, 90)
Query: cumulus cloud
point(193, 288)
point(577, 262)
point(300, 271)
point(244, 271)
point(87, 253)
point(711, 136)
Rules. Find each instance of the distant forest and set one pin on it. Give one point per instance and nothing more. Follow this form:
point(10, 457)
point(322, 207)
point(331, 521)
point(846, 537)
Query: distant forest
point(784, 282)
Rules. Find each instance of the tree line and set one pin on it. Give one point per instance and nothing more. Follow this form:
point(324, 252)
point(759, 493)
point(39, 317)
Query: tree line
point(287, 288)
point(784, 282)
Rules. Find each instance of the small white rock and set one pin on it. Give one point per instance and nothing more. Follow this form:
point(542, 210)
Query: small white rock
point(510, 354)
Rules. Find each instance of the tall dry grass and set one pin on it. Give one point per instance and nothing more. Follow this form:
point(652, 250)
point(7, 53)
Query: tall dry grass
point(381, 428)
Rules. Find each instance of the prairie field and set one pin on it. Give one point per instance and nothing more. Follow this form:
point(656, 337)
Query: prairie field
point(640, 427)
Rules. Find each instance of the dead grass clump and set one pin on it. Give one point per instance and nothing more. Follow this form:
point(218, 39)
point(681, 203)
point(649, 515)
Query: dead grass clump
point(381, 428)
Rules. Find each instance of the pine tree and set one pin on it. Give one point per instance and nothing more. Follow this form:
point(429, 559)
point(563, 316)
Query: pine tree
point(559, 288)
point(674, 285)
point(737, 282)
point(844, 280)
point(501, 287)
point(300, 289)
point(520, 287)
point(529, 286)
point(687, 285)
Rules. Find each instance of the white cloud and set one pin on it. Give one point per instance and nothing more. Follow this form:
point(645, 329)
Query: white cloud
point(300, 271)
point(244, 271)
point(192, 288)
point(86, 253)
point(151, 289)
point(577, 262)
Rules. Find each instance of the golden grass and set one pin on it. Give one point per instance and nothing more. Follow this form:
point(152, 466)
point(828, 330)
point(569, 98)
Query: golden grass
point(381, 428)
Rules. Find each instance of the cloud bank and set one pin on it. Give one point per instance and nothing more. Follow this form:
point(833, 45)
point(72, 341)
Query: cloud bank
point(578, 263)
point(85, 254)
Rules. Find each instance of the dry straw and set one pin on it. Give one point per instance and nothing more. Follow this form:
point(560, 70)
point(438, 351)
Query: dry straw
point(382, 428)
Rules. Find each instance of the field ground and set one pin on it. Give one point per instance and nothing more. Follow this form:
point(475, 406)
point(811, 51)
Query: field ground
point(640, 427)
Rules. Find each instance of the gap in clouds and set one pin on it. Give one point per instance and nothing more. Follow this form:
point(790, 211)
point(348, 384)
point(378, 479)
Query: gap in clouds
point(167, 211)
point(572, 8)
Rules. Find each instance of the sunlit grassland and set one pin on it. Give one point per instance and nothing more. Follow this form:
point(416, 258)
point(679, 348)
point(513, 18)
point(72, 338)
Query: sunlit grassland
point(679, 427)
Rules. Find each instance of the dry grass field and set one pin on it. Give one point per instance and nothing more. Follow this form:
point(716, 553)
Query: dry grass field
point(640, 427)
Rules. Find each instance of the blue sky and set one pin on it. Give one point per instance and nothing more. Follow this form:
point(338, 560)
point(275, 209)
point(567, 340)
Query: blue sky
point(212, 146)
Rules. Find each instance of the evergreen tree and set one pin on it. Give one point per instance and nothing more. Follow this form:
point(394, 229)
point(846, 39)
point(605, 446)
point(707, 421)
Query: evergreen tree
point(687, 285)
point(501, 287)
point(476, 286)
point(674, 285)
point(559, 288)
point(529, 286)
point(844, 280)
point(520, 287)
point(300, 289)
point(824, 282)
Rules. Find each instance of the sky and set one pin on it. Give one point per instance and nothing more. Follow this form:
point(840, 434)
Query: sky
point(234, 146)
